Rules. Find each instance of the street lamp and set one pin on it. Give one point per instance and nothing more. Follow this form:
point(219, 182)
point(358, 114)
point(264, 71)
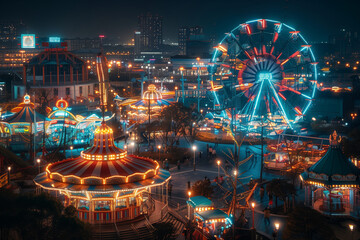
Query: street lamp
point(189, 194)
point(71, 148)
point(9, 169)
point(235, 173)
point(194, 149)
point(159, 147)
point(132, 146)
point(253, 214)
point(218, 163)
point(351, 226)
point(276, 231)
point(38, 162)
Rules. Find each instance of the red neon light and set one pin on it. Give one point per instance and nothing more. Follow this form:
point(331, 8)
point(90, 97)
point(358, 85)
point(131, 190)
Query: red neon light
point(282, 96)
point(275, 101)
point(297, 109)
point(276, 36)
point(263, 23)
point(256, 51)
point(293, 55)
point(248, 30)
point(263, 49)
point(272, 50)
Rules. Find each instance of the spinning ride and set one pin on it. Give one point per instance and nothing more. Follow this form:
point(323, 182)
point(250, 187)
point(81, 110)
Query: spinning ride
point(105, 184)
point(266, 70)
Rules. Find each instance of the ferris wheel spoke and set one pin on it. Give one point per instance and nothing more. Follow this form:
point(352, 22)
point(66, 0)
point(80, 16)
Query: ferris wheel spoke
point(240, 46)
point(281, 107)
point(290, 57)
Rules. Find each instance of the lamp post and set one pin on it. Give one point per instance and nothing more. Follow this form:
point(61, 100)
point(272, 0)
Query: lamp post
point(253, 214)
point(198, 83)
point(159, 147)
point(351, 226)
point(182, 79)
point(194, 149)
point(38, 162)
point(218, 163)
point(9, 169)
point(189, 194)
point(132, 146)
point(71, 148)
point(276, 231)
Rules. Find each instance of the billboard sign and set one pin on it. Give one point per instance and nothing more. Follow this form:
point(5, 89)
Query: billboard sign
point(27, 40)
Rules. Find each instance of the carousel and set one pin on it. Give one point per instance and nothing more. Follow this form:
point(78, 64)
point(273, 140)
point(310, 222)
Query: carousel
point(62, 123)
point(26, 120)
point(332, 184)
point(105, 184)
point(149, 106)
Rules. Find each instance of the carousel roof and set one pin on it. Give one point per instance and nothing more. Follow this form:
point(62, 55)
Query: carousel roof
point(152, 93)
point(103, 166)
point(25, 115)
point(333, 168)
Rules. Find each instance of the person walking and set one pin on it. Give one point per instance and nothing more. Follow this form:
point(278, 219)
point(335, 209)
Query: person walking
point(178, 165)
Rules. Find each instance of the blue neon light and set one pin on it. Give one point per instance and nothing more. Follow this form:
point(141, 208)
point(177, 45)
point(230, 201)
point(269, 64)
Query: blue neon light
point(28, 41)
point(54, 39)
point(282, 108)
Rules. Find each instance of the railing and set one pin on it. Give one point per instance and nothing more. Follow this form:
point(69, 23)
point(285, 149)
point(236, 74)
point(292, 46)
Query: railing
point(135, 230)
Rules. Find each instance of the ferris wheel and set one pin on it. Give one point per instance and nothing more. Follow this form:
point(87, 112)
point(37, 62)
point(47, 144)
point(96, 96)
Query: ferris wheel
point(268, 69)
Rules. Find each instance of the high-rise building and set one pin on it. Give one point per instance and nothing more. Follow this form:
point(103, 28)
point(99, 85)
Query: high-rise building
point(9, 32)
point(137, 43)
point(150, 28)
point(184, 35)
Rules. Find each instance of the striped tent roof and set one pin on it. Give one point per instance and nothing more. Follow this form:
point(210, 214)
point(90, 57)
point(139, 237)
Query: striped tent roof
point(103, 164)
point(26, 115)
point(51, 184)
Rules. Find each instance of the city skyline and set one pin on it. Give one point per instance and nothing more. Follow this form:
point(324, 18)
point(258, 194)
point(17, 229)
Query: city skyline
point(117, 20)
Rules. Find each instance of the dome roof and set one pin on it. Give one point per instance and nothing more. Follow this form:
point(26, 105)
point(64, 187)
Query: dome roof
point(334, 167)
point(102, 164)
point(151, 93)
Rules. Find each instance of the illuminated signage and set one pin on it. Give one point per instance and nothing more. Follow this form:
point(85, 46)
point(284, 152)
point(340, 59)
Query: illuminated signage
point(27, 40)
point(54, 39)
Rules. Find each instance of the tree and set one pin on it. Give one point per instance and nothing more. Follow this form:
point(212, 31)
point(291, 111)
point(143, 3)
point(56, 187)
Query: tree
point(281, 189)
point(202, 188)
point(306, 223)
point(38, 217)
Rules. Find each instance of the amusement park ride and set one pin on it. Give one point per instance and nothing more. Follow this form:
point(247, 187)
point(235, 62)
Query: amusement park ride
point(266, 71)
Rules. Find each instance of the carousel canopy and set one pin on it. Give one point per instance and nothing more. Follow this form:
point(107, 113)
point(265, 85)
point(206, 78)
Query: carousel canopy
point(103, 167)
point(333, 168)
point(25, 112)
point(26, 115)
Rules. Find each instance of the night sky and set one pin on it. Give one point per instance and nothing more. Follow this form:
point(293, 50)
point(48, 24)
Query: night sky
point(79, 18)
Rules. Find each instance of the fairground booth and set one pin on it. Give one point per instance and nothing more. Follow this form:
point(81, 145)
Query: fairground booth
point(213, 221)
point(332, 184)
point(105, 184)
